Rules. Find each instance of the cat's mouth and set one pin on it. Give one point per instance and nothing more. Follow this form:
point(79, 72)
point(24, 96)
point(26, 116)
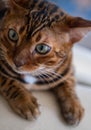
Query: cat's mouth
point(30, 72)
point(16, 70)
point(27, 77)
point(26, 69)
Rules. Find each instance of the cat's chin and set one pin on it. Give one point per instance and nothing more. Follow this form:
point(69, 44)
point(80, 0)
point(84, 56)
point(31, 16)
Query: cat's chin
point(27, 77)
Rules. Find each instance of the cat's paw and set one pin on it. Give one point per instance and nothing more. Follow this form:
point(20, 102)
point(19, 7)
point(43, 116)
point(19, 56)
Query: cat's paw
point(26, 107)
point(72, 112)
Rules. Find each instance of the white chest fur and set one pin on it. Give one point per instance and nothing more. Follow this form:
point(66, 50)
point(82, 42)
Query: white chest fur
point(29, 79)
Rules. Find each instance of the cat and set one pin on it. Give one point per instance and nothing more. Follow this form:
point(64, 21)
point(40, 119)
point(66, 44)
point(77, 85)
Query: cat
point(36, 40)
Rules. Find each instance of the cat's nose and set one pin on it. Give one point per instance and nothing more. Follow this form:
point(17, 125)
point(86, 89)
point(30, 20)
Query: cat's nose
point(21, 58)
point(19, 63)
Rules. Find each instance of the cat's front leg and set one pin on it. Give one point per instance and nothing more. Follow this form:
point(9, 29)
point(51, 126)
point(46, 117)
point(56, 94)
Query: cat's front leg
point(71, 108)
point(21, 101)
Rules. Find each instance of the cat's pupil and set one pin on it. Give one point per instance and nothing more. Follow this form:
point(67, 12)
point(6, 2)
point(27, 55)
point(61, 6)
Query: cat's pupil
point(42, 49)
point(13, 35)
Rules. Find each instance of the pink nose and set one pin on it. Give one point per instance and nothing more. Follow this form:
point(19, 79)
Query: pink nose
point(19, 62)
point(21, 59)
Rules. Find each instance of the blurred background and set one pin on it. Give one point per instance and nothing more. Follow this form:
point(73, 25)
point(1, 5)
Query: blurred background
point(76, 7)
point(80, 8)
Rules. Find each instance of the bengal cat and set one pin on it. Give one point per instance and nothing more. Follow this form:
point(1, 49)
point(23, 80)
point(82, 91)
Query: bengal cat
point(36, 40)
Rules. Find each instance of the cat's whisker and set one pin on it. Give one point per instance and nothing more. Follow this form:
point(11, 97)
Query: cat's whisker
point(56, 74)
point(49, 77)
point(41, 73)
point(44, 79)
point(52, 74)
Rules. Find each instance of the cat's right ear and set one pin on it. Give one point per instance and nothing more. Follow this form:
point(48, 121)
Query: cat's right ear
point(15, 6)
point(23, 3)
point(3, 9)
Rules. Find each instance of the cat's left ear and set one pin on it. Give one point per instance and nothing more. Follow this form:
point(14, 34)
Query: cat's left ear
point(78, 28)
point(16, 7)
point(3, 9)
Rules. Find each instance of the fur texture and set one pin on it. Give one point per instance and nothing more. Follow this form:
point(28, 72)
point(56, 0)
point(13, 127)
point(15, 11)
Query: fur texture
point(36, 39)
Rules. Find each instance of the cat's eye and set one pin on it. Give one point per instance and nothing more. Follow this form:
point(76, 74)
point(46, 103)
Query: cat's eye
point(42, 48)
point(12, 34)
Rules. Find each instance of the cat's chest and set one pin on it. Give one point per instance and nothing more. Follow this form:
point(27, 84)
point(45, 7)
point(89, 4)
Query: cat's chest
point(32, 83)
point(29, 79)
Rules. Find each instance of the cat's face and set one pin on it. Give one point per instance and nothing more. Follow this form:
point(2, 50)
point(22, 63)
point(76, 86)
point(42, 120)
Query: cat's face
point(46, 49)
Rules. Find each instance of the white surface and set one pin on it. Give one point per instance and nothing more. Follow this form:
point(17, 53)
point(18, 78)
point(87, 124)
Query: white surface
point(82, 63)
point(50, 118)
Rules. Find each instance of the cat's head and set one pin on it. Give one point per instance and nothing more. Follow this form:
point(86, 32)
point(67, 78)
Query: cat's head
point(37, 38)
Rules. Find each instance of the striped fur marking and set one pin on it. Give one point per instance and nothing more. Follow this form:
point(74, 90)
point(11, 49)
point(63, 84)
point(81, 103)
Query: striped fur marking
point(42, 13)
point(58, 78)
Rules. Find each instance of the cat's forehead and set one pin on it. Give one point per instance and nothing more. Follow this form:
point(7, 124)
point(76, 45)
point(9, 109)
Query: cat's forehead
point(41, 14)
point(35, 15)
point(14, 21)
point(42, 35)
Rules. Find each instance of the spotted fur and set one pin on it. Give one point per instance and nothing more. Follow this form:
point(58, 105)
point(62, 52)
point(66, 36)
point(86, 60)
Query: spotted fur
point(22, 67)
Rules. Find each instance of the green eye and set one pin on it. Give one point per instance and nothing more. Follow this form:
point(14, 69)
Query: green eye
point(12, 34)
point(42, 48)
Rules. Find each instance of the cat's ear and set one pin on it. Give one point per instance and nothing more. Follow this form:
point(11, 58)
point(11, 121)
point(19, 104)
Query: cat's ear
point(3, 9)
point(23, 3)
point(16, 7)
point(78, 28)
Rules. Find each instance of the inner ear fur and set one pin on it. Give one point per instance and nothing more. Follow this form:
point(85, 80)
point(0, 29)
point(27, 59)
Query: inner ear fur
point(78, 28)
point(3, 9)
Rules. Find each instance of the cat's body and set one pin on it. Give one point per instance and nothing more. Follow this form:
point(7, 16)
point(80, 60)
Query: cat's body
point(36, 38)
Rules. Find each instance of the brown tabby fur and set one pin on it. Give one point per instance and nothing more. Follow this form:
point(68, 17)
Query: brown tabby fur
point(39, 21)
